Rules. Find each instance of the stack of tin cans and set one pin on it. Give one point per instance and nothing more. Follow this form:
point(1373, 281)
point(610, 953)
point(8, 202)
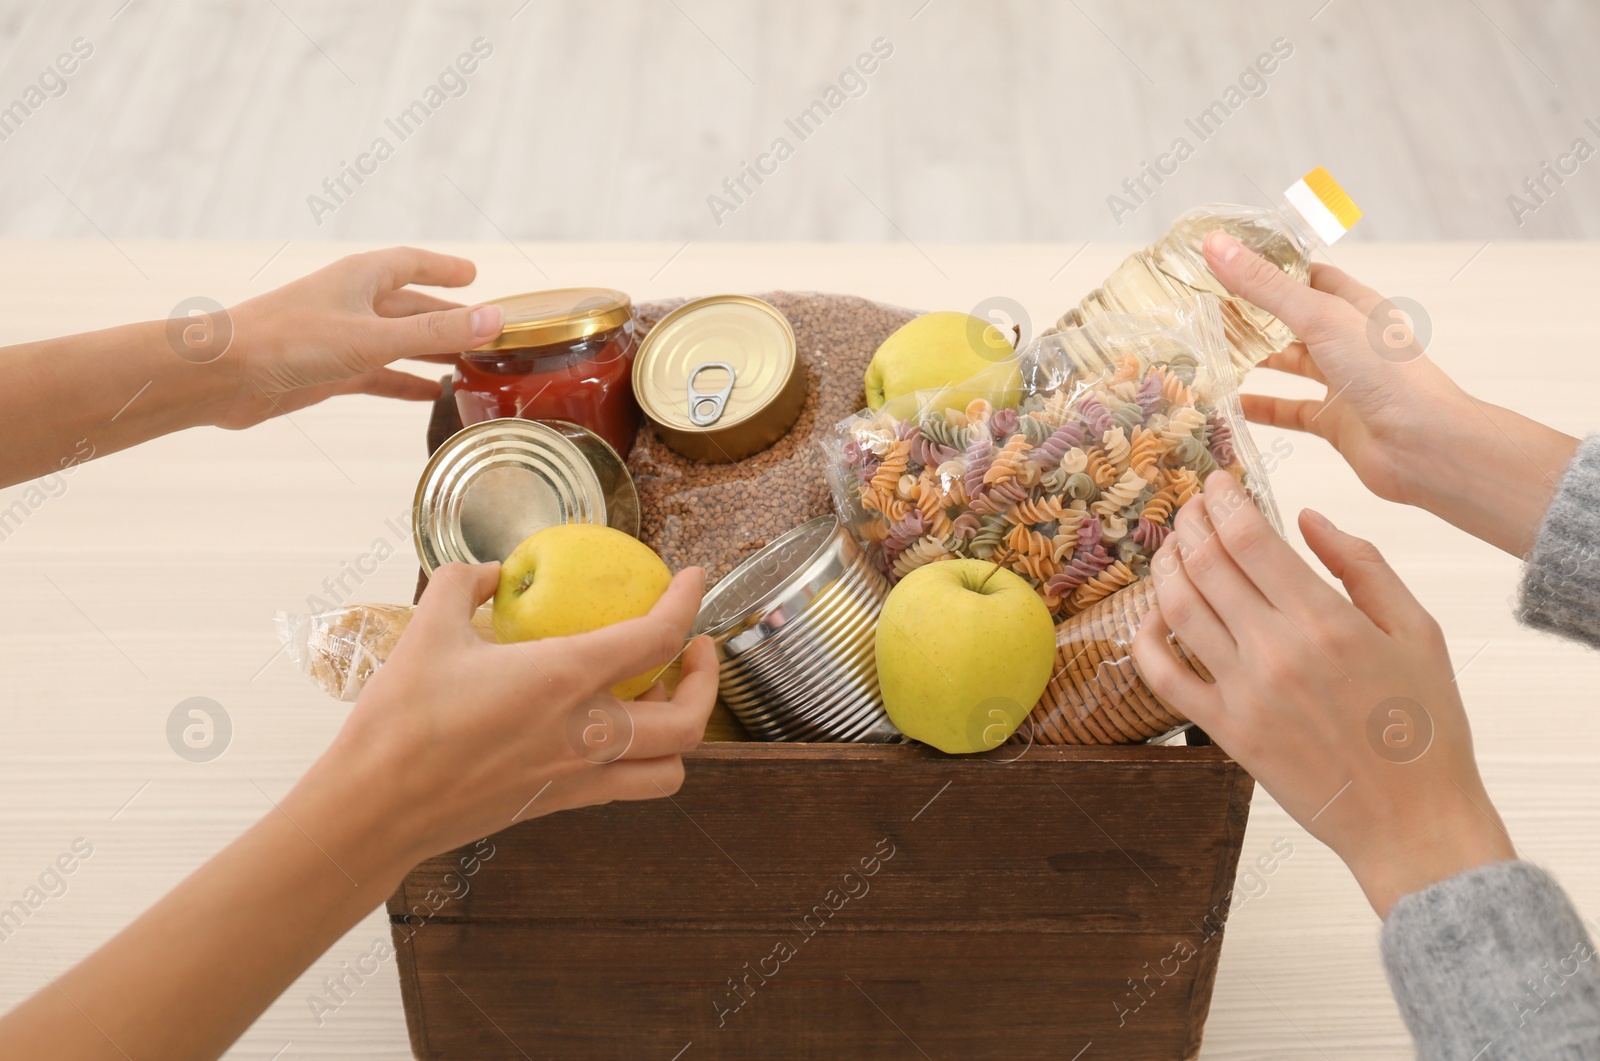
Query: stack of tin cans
point(794, 627)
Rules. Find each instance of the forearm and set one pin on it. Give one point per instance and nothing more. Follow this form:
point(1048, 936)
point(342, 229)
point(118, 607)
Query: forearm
point(235, 933)
point(79, 396)
point(1452, 833)
point(1491, 472)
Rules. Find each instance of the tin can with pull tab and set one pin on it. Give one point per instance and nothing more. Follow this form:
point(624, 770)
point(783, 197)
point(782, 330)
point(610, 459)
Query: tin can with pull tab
point(719, 378)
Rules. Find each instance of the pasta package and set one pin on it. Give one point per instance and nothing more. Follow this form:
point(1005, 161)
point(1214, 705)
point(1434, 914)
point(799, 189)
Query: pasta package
point(1074, 489)
point(1076, 486)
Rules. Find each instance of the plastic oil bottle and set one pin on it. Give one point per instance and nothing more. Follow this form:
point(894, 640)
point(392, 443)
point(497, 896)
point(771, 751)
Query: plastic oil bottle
point(1314, 212)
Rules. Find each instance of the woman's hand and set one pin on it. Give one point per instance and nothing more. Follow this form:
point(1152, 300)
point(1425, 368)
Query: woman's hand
point(453, 739)
point(1388, 411)
point(470, 736)
point(69, 399)
point(334, 331)
point(1408, 431)
point(1346, 711)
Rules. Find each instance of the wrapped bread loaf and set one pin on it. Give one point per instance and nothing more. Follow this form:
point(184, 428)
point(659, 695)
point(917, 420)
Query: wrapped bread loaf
point(341, 648)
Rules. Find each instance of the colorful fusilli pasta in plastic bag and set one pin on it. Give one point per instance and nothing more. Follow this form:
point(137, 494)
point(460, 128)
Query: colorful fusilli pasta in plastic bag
point(1073, 488)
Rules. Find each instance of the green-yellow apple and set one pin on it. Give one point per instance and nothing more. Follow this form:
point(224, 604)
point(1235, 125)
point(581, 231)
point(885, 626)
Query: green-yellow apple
point(966, 355)
point(577, 577)
point(964, 651)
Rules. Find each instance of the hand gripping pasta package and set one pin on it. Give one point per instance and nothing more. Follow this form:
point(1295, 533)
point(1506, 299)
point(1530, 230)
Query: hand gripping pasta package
point(1073, 487)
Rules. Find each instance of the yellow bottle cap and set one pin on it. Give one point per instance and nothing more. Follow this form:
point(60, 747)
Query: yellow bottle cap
point(1325, 206)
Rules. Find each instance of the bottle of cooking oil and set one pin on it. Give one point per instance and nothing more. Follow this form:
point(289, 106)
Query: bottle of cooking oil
point(1313, 213)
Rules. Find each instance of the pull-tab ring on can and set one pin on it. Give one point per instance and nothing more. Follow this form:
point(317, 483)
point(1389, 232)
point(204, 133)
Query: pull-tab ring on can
point(705, 407)
point(744, 337)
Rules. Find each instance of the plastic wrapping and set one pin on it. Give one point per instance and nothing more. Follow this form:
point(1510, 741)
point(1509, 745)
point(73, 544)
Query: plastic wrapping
point(1074, 489)
point(342, 647)
point(1095, 695)
point(1173, 268)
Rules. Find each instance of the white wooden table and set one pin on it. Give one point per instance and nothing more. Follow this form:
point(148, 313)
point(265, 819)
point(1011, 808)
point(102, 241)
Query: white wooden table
point(154, 576)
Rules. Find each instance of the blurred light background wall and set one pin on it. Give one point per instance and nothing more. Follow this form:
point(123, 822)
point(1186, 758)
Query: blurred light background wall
point(1016, 120)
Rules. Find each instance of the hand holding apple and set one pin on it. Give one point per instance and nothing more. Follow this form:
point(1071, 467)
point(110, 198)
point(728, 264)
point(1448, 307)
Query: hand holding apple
point(456, 737)
point(576, 577)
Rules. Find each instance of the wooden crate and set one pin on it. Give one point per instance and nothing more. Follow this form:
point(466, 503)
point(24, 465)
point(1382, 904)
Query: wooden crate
point(1068, 904)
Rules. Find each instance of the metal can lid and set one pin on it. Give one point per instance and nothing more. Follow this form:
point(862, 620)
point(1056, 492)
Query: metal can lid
point(714, 363)
point(749, 591)
point(493, 484)
point(545, 318)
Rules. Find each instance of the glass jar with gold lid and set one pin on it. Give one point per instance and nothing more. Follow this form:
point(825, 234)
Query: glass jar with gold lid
point(561, 355)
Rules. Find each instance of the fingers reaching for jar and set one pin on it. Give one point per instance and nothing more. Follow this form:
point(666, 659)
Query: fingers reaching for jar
point(333, 331)
point(480, 735)
point(409, 302)
point(1345, 709)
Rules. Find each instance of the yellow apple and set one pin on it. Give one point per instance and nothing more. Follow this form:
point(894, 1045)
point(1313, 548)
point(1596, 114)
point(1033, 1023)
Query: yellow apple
point(964, 652)
point(966, 355)
point(577, 577)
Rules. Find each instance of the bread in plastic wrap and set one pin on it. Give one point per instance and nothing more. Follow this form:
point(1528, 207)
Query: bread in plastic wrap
point(342, 647)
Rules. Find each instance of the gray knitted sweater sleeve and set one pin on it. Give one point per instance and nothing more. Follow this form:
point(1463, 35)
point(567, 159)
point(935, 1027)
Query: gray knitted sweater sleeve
point(1495, 964)
point(1560, 589)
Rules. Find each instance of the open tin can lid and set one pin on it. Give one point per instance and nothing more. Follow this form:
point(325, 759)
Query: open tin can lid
point(758, 589)
point(720, 378)
point(493, 484)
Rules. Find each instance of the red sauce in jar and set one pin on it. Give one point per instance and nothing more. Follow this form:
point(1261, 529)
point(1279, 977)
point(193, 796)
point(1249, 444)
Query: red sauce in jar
point(587, 381)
